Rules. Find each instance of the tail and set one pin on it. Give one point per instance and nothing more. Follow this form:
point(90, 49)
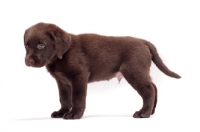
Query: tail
point(159, 63)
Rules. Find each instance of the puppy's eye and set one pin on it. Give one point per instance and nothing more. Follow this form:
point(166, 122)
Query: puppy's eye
point(41, 46)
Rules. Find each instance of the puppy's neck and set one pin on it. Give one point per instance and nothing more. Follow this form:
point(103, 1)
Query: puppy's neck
point(52, 60)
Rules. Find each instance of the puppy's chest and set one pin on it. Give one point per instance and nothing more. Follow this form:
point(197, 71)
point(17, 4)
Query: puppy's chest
point(63, 68)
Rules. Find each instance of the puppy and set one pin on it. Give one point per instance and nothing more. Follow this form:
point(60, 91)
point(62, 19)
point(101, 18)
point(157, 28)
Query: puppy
point(75, 60)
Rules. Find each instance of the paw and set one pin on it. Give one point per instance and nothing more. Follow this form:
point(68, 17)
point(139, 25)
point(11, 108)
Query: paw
point(58, 114)
point(140, 114)
point(74, 114)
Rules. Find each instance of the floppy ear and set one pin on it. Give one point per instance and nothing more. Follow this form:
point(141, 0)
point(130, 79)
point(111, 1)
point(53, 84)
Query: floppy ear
point(61, 39)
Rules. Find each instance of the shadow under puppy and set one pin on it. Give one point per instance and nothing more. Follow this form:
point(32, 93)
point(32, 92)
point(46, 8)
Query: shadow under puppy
point(75, 60)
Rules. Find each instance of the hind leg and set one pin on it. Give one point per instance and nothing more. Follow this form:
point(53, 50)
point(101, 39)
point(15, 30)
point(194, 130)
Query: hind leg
point(155, 102)
point(147, 92)
point(141, 82)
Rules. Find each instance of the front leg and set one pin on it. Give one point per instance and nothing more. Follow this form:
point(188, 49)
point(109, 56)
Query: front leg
point(79, 85)
point(65, 98)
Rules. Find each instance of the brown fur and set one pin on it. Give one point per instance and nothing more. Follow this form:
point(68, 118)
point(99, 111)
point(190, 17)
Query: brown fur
point(75, 60)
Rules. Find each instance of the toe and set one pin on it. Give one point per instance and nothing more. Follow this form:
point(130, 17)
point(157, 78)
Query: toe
point(54, 114)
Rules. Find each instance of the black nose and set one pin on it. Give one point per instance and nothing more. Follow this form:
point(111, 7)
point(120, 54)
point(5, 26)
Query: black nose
point(30, 62)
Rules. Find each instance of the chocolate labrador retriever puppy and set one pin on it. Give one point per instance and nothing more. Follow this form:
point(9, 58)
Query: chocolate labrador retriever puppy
point(75, 60)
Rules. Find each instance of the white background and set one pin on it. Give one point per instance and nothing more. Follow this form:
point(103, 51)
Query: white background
point(28, 95)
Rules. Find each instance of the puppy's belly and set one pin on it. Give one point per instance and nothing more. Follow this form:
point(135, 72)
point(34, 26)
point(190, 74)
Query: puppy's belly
point(101, 77)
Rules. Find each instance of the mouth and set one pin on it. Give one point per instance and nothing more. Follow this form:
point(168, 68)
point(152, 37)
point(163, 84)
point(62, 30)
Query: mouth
point(37, 62)
point(34, 63)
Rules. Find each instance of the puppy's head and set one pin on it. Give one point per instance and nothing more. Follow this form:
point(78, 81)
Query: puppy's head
point(44, 43)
